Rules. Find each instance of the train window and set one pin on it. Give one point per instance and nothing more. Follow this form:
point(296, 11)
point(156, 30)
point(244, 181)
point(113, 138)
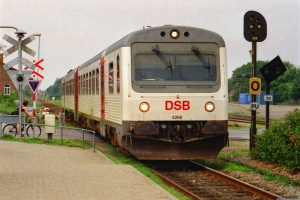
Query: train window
point(97, 81)
point(90, 83)
point(86, 84)
point(79, 84)
point(173, 66)
point(93, 82)
point(72, 86)
point(118, 74)
point(83, 85)
point(190, 67)
point(68, 88)
point(111, 78)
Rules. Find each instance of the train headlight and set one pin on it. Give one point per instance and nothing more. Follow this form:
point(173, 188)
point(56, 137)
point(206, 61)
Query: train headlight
point(144, 106)
point(209, 106)
point(174, 34)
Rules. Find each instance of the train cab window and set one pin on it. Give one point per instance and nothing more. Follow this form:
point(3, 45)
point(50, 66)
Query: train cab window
point(6, 89)
point(175, 67)
point(111, 78)
point(97, 81)
point(118, 74)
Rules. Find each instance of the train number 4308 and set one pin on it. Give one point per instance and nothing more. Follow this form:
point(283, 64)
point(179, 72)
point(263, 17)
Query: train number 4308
point(177, 117)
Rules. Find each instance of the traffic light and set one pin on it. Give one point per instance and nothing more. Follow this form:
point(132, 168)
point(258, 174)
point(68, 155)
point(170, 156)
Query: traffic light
point(273, 69)
point(255, 27)
point(20, 77)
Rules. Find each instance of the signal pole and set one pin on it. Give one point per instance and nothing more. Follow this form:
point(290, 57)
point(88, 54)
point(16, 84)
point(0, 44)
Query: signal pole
point(253, 129)
point(20, 78)
point(255, 30)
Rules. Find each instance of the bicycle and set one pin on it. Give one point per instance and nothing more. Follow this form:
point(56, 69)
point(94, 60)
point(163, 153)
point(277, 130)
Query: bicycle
point(11, 129)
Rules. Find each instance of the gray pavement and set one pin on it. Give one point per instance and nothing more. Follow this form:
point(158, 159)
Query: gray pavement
point(241, 133)
point(32, 171)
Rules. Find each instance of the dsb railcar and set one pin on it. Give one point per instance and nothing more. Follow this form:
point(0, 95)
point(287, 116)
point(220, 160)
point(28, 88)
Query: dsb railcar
point(159, 93)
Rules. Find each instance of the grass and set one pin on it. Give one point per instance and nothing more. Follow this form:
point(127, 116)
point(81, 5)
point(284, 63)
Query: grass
point(54, 142)
point(57, 102)
point(231, 166)
point(238, 126)
point(241, 148)
point(5, 109)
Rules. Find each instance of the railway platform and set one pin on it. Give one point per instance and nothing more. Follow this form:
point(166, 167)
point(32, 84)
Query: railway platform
point(33, 171)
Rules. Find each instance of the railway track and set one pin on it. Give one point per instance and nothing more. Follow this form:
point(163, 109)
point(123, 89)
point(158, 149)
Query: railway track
point(52, 107)
point(200, 182)
point(246, 121)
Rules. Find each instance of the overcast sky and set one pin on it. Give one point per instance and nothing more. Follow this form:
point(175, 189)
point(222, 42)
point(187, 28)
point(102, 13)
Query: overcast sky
point(73, 31)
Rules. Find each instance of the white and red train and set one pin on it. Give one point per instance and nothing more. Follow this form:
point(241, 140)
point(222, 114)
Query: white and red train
point(160, 93)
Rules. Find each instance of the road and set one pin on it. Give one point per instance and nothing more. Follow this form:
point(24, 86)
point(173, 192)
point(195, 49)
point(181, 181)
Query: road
point(241, 133)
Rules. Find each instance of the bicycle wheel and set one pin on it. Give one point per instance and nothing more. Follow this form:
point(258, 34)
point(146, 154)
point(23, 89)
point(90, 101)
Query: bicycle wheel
point(10, 129)
point(33, 129)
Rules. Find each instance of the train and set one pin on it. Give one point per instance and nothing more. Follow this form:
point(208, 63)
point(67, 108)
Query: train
point(159, 93)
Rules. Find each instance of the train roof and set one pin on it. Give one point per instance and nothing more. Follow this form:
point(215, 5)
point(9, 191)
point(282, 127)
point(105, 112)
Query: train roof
point(153, 34)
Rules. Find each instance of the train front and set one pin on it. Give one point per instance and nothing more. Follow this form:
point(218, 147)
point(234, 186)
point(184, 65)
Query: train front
point(177, 104)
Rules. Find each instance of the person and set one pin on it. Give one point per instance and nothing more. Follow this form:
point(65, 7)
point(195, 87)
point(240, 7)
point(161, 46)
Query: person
point(24, 110)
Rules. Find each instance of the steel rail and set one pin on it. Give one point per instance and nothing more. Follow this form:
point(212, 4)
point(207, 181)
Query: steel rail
point(176, 186)
point(246, 186)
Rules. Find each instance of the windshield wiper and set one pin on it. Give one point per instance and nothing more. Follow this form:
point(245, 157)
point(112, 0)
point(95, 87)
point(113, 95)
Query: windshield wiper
point(163, 58)
point(202, 59)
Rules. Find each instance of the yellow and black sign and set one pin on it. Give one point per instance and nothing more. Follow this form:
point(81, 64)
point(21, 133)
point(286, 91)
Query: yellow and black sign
point(255, 85)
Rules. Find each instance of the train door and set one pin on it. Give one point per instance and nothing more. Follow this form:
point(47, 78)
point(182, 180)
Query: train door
point(102, 95)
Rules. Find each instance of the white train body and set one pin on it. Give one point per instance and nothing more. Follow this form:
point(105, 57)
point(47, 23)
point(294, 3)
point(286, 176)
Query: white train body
point(155, 94)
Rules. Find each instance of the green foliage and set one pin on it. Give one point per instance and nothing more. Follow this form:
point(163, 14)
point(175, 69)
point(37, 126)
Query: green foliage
point(286, 88)
point(239, 81)
point(55, 89)
point(27, 92)
point(53, 142)
point(281, 142)
point(2, 97)
point(11, 99)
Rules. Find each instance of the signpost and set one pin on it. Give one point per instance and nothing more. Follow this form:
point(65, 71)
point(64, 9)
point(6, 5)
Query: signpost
point(34, 85)
point(270, 72)
point(255, 85)
point(255, 30)
point(19, 76)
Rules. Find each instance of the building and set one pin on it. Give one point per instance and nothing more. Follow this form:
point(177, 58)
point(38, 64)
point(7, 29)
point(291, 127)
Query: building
point(6, 85)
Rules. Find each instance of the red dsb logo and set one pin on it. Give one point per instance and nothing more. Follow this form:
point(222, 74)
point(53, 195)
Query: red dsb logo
point(177, 105)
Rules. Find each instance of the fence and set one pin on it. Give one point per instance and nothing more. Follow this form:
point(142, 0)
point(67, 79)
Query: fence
point(14, 119)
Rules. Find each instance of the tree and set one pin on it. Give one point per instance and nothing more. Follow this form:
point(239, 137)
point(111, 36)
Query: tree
point(55, 89)
point(285, 88)
point(239, 81)
point(27, 92)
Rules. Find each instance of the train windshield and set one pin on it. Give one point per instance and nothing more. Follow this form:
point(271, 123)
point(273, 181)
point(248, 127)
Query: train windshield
point(175, 65)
